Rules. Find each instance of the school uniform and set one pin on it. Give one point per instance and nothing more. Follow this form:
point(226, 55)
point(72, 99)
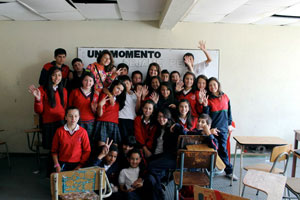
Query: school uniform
point(76, 82)
point(184, 123)
point(45, 72)
point(191, 97)
point(52, 118)
point(83, 102)
point(71, 146)
point(144, 132)
point(219, 110)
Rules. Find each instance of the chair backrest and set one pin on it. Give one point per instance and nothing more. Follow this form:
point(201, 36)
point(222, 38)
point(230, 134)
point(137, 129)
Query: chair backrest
point(278, 151)
point(184, 140)
point(86, 179)
point(201, 193)
point(196, 159)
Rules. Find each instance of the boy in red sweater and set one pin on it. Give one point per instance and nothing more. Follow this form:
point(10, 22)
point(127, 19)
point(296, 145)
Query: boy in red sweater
point(71, 147)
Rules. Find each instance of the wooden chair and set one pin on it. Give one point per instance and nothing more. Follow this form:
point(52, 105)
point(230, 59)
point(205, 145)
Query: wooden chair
point(279, 153)
point(184, 140)
point(201, 193)
point(34, 139)
point(293, 185)
point(80, 181)
point(271, 184)
point(205, 160)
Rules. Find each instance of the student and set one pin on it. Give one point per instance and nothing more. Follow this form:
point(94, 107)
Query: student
point(155, 84)
point(108, 114)
point(85, 99)
point(199, 68)
point(124, 69)
point(219, 109)
point(184, 116)
point(103, 70)
point(188, 92)
point(71, 147)
point(175, 77)
point(75, 77)
point(153, 70)
point(60, 58)
point(201, 92)
point(165, 76)
point(131, 107)
point(50, 102)
point(129, 179)
point(136, 77)
point(127, 144)
point(166, 98)
point(144, 128)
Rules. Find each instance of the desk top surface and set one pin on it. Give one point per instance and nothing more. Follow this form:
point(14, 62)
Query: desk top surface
point(266, 140)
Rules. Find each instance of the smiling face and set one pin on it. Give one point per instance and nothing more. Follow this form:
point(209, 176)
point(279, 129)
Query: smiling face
point(56, 77)
point(188, 81)
point(134, 160)
point(87, 82)
point(153, 71)
point(214, 87)
point(201, 84)
point(183, 109)
point(128, 85)
point(78, 66)
point(165, 92)
point(175, 78)
point(165, 77)
point(72, 117)
point(162, 120)
point(137, 78)
point(60, 59)
point(201, 123)
point(155, 83)
point(105, 60)
point(118, 89)
point(111, 157)
point(148, 110)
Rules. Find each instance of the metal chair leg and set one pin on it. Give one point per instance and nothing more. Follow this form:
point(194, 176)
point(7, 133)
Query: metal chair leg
point(7, 154)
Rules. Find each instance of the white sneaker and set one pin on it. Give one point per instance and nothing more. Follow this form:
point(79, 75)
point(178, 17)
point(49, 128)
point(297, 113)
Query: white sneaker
point(218, 171)
point(233, 176)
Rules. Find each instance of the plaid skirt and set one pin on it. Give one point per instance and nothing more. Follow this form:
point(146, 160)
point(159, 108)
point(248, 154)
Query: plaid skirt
point(89, 127)
point(48, 131)
point(104, 130)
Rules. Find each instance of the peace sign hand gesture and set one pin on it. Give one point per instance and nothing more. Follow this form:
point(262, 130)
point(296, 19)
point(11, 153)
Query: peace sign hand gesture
point(105, 149)
point(104, 100)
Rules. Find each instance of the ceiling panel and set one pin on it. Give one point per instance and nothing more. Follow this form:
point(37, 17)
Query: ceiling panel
point(291, 11)
point(279, 3)
point(99, 11)
point(142, 6)
point(15, 11)
point(250, 13)
point(64, 16)
point(50, 6)
point(277, 21)
point(295, 24)
point(203, 18)
point(2, 18)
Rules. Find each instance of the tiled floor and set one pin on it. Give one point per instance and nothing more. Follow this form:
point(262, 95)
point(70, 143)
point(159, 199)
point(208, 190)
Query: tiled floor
point(21, 183)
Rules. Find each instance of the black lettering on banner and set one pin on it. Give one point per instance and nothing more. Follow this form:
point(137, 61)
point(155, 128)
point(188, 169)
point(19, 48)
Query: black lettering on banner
point(151, 53)
point(129, 54)
point(114, 53)
point(157, 54)
point(121, 54)
point(144, 54)
point(137, 54)
point(93, 53)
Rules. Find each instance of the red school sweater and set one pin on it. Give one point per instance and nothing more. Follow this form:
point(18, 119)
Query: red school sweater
point(110, 112)
point(78, 99)
point(194, 124)
point(71, 148)
point(191, 97)
point(48, 113)
point(144, 134)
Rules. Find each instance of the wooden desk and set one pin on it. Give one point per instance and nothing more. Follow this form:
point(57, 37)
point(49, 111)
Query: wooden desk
point(204, 147)
point(243, 142)
point(297, 138)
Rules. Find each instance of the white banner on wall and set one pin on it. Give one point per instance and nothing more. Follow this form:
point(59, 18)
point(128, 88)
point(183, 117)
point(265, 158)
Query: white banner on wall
point(140, 58)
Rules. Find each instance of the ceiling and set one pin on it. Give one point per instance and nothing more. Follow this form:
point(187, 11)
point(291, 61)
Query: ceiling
point(167, 12)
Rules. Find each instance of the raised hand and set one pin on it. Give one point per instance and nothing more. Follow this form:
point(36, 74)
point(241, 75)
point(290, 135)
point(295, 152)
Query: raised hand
point(205, 101)
point(139, 92)
point(179, 86)
point(173, 106)
point(202, 45)
point(202, 95)
point(214, 131)
point(154, 97)
point(145, 91)
point(35, 92)
point(105, 148)
point(188, 61)
point(104, 100)
point(117, 72)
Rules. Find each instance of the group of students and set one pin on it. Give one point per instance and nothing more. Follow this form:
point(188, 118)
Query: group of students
point(99, 116)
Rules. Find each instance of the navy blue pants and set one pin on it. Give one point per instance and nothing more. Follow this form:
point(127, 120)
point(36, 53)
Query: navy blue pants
point(222, 151)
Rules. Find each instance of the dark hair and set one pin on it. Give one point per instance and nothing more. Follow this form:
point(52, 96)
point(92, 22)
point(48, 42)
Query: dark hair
point(147, 80)
point(76, 60)
point(174, 72)
point(188, 54)
point(60, 51)
point(49, 88)
point(71, 108)
point(136, 85)
point(165, 71)
point(219, 84)
point(206, 117)
point(132, 151)
point(192, 74)
point(92, 88)
point(113, 147)
point(122, 65)
point(137, 72)
point(150, 86)
point(130, 141)
point(149, 101)
point(167, 114)
point(122, 97)
point(110, 66)
point(202, 76)
point(189, 117)
point(124, 78)
point(169, 87)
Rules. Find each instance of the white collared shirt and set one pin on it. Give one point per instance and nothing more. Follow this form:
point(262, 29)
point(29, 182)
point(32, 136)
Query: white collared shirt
point(55, 87)
point(86, 94)
point(186, 91)
point(70, 131)
point(182, 120)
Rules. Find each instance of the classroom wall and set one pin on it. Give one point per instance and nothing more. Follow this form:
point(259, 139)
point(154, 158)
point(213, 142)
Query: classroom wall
point(259, 67)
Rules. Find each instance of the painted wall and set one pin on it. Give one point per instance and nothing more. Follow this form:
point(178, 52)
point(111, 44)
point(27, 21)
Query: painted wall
point(259, 67)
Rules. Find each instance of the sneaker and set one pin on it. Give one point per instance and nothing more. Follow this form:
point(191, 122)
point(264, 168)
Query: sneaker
point(233, 176)
point(218, 172)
